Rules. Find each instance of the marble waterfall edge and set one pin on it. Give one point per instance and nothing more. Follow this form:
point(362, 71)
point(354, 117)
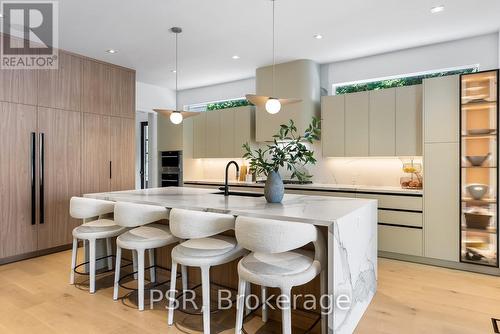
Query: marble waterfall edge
point(353, 242)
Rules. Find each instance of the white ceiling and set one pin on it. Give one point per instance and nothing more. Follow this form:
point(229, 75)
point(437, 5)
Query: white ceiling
point(215, 30)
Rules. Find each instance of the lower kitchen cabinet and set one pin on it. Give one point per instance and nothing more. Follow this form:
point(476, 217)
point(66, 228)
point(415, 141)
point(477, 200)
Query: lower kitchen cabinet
point(18, 228)
point(402, 240)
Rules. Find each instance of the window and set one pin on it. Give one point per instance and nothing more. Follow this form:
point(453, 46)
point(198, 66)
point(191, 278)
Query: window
point(399, 81)
point(217, 105)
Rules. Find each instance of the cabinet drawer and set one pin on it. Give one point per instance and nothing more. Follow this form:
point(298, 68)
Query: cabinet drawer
point(400, 218)
point(400, 240)
point(395, 202)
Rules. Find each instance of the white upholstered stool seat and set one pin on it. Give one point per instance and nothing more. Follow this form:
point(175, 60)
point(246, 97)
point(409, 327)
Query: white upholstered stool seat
point(94, 228)
point(277, 260)
point(146, 234)
point(98, 229)
point(211, 251)
point(146, 237)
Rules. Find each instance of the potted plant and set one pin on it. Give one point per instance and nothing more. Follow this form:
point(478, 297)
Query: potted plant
point(287, 150)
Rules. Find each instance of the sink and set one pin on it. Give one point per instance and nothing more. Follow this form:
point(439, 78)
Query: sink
point(240, 193)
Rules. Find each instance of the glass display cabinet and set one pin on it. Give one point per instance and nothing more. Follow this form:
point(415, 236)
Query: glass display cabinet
point(479, 168)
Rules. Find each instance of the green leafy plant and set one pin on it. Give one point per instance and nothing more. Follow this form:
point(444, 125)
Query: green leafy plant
point(228, 104)
point(287, 150)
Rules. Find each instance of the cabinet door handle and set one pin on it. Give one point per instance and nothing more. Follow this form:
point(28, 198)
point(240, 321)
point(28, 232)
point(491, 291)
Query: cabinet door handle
point(110, 170)
point(33, 177)
point(41, 178)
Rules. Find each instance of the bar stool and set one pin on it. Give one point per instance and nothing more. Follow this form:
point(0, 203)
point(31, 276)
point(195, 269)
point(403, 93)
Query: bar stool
point(276, 261)
point(95, 227)
point(144, 235)
point(204, 249)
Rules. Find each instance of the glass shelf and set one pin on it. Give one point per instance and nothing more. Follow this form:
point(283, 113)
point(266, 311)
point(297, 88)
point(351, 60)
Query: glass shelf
point(478, 168)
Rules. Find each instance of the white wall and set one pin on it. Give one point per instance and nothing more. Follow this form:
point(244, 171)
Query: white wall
point(482, 50)
point(149, 97)
point(228, 90)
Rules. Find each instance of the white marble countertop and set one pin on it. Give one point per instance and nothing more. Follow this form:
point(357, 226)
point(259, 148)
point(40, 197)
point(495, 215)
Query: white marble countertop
point(317, 210)
point(316, 186)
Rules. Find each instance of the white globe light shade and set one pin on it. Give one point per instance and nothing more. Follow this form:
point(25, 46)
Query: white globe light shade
point(176, 117)
point(273, 106)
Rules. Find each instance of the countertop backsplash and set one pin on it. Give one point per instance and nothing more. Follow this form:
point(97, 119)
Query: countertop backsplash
point(369, 171)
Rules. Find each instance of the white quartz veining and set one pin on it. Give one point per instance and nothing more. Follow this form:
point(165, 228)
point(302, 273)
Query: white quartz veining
point(318, 210)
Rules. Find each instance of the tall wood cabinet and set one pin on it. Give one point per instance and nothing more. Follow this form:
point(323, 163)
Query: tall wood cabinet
point(63, 133)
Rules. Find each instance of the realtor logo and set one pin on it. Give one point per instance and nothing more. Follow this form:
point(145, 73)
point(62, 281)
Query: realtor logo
point(29, 35)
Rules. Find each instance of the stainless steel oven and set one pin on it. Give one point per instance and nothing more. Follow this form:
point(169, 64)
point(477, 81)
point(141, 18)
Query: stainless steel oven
point(170, 168)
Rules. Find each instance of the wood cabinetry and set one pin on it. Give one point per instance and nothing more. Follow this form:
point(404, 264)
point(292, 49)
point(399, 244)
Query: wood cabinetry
point(61, 88)
point(122, 93)
point(409, 121)
point(296, 79)
point(357, 124)
point(96, 160)
point(61, 130)
point(170, 136)
point(222, 133)
point(18, 86)
point(18, 229)
point(383, 122)
point(122, 153)
point(96, 90)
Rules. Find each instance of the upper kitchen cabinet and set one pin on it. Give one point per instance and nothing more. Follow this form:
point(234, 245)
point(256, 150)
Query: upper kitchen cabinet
point(18, 86)
point(333, 125)
point(61, 88)
point(296, 79)
point(409, 121)
point(122, 92)
point(382, 122)
point(96, 95)
point(222, 133)
point(213, 134)
point(357, 124)
point(170, 135)
point(386, 122)
point(441, 96)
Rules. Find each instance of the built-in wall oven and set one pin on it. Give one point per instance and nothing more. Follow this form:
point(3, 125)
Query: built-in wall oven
point(170, 168)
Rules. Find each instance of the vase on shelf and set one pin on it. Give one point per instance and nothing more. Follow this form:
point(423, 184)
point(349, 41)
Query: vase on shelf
point(274, 188)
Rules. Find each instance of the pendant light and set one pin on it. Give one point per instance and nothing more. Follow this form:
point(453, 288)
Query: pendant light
point(176, 116)
point(272, 104)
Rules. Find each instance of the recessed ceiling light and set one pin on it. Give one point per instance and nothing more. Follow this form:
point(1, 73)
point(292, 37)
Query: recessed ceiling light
point(112, 51)
point(318, 36)
point(173, 71)
point(437, 9)
point(235, 57)
point(1, 15)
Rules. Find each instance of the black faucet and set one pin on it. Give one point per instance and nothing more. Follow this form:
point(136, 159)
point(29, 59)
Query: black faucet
point(226, 187)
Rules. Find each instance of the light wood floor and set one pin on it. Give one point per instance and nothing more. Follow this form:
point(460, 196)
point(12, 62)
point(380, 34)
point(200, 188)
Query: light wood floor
point(35, 297)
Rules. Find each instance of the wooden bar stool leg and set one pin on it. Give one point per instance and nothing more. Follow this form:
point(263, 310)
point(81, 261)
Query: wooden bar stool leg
point(117, 272)
point(109, 252)
point(286, 312)
point(74, 254)
point(184, 278)
point(140, 274)
point(92, 265)
point(248, 292)
point(171, 293)
point(205, 286)
point(264, 305)
point(240, 304)
point(134, 262)
point(152, 273)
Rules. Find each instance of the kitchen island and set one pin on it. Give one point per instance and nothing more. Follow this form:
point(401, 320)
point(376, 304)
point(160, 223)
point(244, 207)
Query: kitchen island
point(351, 226)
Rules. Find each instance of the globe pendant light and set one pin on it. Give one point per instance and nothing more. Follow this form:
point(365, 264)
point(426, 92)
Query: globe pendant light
point(272, 104)
point(176, 116)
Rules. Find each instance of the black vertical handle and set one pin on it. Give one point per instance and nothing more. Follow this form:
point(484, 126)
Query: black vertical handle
point(33, 177)
point(41, 180)
point(110, 170)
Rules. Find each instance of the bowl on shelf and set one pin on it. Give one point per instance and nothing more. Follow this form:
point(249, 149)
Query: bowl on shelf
point(480, 131)
point(476, 220)
point(477, 190)
point(477, 160)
